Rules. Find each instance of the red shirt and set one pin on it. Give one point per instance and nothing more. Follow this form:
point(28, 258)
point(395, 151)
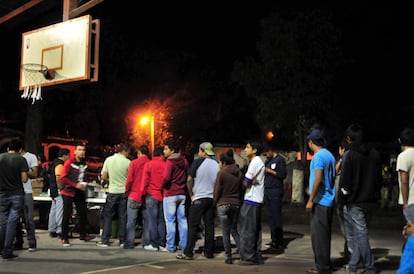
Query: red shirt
point(133, 186)
point(152, 178)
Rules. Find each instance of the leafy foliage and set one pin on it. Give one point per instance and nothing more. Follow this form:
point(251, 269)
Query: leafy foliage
point(290, 81)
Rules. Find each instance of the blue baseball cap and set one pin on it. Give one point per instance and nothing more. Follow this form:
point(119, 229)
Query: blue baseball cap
point(316, 134)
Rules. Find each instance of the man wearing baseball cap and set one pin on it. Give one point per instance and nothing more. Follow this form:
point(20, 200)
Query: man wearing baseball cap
point(200, 184)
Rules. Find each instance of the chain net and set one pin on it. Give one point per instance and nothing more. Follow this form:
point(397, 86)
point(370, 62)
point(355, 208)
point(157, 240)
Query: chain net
point(34, 77)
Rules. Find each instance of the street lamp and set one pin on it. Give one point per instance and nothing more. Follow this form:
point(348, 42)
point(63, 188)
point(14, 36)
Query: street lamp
point(144, 121)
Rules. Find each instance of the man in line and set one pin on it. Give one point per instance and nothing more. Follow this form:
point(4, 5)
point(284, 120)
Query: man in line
point(115, 170)
point(360, 183)
point(321, 201)
point(200, 184)
point(275, 173)
point(56, 209)
point(251, 210)
point(405, 169)
point(74, 185)
point(152, 183)
point(227, 196)
point(28, 210)
point(13, 174)
point(174, 183)
point(134, 191)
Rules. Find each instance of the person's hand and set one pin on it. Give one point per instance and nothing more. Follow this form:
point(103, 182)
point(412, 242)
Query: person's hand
point(81, 185)
point(408, 230)
point(309, 206)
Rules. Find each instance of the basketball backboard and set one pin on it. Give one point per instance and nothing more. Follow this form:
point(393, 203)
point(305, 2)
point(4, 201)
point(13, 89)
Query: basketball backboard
point(70, 49)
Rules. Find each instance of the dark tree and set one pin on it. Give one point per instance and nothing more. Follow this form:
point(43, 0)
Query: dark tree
point(291, 80)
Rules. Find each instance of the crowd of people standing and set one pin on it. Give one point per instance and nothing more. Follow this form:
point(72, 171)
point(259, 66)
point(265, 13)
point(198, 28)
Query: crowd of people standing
point(175, 196)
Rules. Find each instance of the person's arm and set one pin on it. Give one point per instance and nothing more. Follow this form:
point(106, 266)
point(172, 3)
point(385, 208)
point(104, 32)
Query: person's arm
point(58, 175)
point(316, 184)
point(146, 178)
point(33, 171)
point(338, 166)
point(217, 188)
point(24, 176)
point(190, 184)
point(105, 175)
point(104, 172)
point(130, 177)
point(404, 186)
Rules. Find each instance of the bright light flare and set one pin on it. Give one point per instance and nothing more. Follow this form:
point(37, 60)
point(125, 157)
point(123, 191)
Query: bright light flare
point(144, 120)
point(269, 135)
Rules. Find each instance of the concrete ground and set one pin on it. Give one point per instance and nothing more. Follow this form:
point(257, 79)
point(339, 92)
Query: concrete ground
point(84, 257)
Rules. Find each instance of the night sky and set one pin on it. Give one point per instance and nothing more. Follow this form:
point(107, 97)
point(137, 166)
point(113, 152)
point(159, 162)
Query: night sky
point(377, 40)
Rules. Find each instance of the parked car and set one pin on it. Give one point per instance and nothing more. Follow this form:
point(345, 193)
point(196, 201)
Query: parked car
point(95, 164)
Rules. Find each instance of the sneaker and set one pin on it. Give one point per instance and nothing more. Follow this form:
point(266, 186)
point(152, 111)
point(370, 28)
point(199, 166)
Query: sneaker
point(348, 271)
point(243, 262)
point(65, 242)
point(182, 256)
point(162, 249)
point(53, 234)
point(150, 248)
point(228, 261)
point(32, 248)
point(10, 257)
point(121, 245)
point(101, 244)
point(86, 238)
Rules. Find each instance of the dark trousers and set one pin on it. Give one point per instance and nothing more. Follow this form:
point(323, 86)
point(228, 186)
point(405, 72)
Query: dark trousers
point(201, 209)
point(115, 203)
point(250, 232)
point(81, 211)
point(28, 219)
point(273, 200)
point(321, 224)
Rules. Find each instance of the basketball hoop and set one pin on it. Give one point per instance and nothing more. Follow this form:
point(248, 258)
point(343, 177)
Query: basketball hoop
point(34, 76)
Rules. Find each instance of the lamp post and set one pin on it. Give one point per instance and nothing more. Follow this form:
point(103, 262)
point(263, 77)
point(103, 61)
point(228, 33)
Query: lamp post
point(152, 136)
point(144, 121)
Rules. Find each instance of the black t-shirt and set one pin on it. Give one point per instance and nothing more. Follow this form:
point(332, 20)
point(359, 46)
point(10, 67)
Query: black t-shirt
point(11, 167)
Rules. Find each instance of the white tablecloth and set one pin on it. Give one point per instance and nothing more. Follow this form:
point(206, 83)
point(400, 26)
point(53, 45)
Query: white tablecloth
point(88, 200)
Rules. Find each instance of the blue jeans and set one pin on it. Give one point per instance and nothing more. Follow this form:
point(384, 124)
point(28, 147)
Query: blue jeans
point(228, 216)
point(133, 208)
point(357, 238)
point(156, 222)
point(28, 219)
point(10, 210)
point(409, 213)
point(145, 238)
point(115, 203)
point(56, 215)
point(174, 211)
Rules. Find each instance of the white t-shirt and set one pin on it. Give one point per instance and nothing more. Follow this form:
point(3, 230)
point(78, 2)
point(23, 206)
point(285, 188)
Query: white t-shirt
point(31, 162)
point(405, 162)
point(255, 193)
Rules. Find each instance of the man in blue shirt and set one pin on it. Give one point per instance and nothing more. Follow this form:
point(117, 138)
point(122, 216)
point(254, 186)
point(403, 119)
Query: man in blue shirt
point(321, 200)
